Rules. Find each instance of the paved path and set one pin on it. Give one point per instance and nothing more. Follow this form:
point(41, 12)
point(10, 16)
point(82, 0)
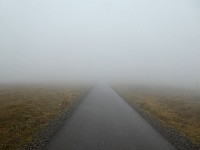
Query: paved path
point(104, 121)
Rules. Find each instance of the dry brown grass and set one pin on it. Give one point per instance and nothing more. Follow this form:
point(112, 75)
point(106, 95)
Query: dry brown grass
point(25, 110)
point(179, 109)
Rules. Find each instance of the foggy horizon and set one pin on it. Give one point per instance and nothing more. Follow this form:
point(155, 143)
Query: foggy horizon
point(131, 41)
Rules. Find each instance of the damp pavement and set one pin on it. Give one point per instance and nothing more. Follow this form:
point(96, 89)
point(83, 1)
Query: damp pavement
point(104, 121)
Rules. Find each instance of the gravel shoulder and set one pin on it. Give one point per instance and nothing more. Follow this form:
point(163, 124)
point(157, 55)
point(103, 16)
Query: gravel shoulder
point(104, 121)
point(44, 136)
point(180, 141)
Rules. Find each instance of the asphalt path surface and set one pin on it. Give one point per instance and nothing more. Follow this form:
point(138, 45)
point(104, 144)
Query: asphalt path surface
point(104, 121)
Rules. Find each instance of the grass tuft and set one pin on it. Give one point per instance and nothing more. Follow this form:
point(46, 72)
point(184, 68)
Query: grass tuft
point(179, 109)
point(24, 111)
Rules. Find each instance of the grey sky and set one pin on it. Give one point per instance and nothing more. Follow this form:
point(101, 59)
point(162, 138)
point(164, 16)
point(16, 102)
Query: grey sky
point(155, 41)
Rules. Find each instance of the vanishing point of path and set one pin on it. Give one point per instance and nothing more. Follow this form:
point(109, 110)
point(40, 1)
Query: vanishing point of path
point(104, 121)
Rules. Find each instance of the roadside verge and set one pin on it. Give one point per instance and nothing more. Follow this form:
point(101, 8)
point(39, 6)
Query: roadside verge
point(45, 135)
point(179, 140)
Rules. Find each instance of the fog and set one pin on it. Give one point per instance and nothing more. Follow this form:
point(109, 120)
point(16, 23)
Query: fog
point(126, 41)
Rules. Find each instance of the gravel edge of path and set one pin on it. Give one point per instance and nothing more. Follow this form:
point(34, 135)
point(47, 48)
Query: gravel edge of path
point(45, 135)
point(178, 140)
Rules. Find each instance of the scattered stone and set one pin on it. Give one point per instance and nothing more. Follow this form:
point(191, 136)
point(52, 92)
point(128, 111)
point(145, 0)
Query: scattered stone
point(45, 135)
point(180, 141)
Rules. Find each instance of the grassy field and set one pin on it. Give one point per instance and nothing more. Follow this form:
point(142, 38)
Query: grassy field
point(175, 108)
point(26, 110)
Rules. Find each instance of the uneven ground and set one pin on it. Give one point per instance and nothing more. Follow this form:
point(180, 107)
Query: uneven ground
point(26, 110)
point(174, 108)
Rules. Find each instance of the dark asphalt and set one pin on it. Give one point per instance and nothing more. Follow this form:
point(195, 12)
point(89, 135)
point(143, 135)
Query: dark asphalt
point(104, 121)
